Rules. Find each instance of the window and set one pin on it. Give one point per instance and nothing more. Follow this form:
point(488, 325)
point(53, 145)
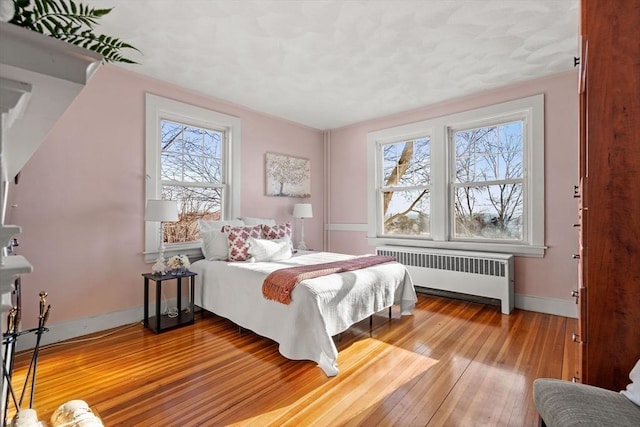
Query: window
point(472, 180)
point(405, 187)
point(191, 158)
point(488, 183)
point(191, 171)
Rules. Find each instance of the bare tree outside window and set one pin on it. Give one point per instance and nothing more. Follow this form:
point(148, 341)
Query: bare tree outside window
point(192, 174)
point(488, 198)
point(405, 187)
point(488, 187)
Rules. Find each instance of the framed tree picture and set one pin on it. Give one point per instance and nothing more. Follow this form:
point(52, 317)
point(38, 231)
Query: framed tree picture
point(287, 176)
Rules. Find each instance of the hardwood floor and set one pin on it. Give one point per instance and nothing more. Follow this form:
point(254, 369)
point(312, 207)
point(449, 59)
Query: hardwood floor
point(452, 363)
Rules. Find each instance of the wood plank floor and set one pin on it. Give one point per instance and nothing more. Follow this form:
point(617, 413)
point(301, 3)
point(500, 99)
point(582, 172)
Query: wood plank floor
point(452, 363)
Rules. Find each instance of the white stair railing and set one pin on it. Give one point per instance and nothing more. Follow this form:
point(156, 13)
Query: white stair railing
point(39, 78)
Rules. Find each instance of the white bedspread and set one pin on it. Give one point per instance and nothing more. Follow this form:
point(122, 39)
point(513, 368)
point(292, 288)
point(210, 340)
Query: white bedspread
point(320, 307)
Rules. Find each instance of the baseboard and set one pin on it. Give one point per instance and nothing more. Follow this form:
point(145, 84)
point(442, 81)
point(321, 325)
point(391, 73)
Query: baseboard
point(79, 327)
point(89, 325)
point(523, 302)
point(559, 307)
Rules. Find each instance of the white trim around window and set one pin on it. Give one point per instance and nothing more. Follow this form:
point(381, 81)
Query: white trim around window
point(530, 110)
point(158, 108)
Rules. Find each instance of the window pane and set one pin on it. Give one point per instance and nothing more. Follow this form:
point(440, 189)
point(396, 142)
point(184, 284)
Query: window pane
point(406, 212)
point(490, 153)
point(191, 154)
point(491, 212)
point(171, 166)
point(212, 142)
point(212, 169)
point(171, 134)
point(194, 203)
point(406, 163)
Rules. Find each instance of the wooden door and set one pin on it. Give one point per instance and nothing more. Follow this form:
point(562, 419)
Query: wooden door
point(610, 168)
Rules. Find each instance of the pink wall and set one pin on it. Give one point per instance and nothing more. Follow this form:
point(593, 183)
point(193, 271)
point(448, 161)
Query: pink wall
point(553, 276)
point(80, 199)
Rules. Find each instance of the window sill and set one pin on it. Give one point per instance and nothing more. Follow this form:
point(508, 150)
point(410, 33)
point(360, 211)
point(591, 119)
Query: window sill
point(192, 250)
point(504, 248)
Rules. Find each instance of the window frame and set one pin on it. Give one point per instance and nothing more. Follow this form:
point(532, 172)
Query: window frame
point(381, 188)
point(517, 116)
point(158, 108)
point(439, 130)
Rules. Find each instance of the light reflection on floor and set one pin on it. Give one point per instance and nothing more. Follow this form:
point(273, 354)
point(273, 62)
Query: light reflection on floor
point(326, 410)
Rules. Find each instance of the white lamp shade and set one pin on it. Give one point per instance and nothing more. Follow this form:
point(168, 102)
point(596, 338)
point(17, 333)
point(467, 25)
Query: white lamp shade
point(161, 210)
point(302, 210)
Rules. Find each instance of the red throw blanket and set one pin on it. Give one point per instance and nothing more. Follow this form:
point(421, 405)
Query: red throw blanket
point(279, 284)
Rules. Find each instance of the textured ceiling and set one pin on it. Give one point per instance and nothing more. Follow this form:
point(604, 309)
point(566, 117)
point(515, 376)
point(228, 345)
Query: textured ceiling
point(331, 63)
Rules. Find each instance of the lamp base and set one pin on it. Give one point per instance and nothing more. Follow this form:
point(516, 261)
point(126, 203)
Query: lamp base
point(302, 246)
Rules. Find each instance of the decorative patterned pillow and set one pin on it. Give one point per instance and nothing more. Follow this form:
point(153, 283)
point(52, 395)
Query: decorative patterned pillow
point(277, 231)
point(238, 241)
point(215, 245)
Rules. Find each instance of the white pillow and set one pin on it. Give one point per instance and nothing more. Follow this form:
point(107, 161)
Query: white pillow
point(207, 225)
point(215, 244)
point(269, 250)
point(248, 221)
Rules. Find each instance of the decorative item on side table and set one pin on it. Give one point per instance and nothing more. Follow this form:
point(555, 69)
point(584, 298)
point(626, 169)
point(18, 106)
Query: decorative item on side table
point(302, 211)
point(178, 265)
point(161, 211)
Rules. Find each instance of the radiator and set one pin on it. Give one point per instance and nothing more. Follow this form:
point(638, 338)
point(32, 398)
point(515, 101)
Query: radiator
point(488, 275)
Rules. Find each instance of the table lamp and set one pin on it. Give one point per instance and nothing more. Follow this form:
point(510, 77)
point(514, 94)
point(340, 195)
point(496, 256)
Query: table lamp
point(161, 211)
point(302, 211)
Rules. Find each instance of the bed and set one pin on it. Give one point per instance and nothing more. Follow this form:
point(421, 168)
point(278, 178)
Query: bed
point(320, 307)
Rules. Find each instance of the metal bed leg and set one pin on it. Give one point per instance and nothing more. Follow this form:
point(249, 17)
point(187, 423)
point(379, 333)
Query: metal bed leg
point(371, 325)
point(371, 322)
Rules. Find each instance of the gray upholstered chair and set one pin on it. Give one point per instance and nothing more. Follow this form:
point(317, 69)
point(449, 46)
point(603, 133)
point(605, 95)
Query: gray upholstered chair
point(566, 404)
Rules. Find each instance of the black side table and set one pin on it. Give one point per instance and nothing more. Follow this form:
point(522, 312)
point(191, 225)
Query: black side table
point(160, 323)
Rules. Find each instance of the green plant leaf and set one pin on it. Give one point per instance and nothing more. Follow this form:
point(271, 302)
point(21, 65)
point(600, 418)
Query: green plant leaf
point(42, 6)
point(71, 22)
point(49, 27)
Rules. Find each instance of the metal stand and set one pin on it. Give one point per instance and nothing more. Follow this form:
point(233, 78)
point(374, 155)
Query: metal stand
point(9, 344)
point(9, 340)
point(33, 365)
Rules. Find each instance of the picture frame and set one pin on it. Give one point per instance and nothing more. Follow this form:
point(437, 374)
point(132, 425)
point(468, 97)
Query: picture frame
point(287, 176)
